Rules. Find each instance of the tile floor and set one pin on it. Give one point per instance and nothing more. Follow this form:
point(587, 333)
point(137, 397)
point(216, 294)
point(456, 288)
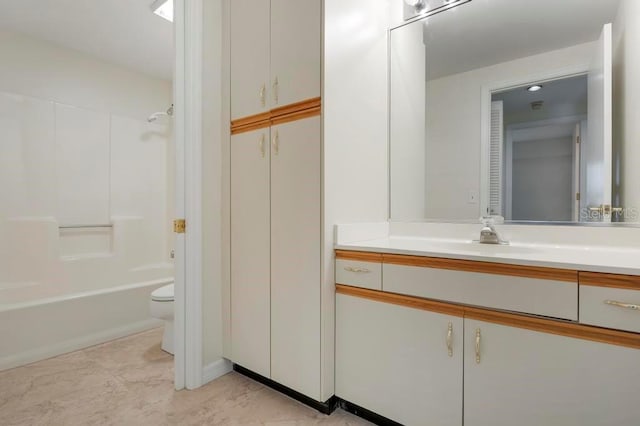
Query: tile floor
point(130, 382)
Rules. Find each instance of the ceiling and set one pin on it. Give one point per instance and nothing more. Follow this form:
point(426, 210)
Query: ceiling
point(486, 32)
point(564, 94)
point(124, 32)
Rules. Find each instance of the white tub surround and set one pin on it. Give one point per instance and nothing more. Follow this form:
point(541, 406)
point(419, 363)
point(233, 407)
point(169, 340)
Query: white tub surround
point(75, 288)
point(544, 331)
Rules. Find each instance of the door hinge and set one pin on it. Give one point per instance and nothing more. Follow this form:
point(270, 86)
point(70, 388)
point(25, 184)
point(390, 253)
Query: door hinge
point(577, 196)
point(179, 226)
point(578, 139)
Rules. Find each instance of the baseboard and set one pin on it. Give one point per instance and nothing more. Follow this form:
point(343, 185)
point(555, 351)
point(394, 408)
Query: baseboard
point(326, 407)
point(366, 414)
point(216, 369)
point(71, 345)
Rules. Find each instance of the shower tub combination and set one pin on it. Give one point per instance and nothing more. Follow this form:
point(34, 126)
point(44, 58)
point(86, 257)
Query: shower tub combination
point(63, 288)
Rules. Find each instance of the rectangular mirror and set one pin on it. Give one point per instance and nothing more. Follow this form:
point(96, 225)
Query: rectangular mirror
point(517, 108)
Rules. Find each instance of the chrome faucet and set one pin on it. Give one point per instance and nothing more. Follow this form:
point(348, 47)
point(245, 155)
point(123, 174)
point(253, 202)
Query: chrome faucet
point(488, 233)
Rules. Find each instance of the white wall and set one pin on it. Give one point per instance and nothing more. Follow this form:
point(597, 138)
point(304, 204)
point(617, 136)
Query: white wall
point(407, 153)
point(47, 71)
point(355, 130)
point(454, 128)
point(77, 150)
point(626, 106)
point(542, 179)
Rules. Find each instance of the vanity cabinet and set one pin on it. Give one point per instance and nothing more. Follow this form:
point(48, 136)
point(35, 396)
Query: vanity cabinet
point(516, 376)
point(402, 363)
point(275, 54)
point(609, 300)
point(519, 368)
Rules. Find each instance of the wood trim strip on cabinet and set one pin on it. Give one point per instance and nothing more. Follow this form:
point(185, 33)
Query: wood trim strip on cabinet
point(483, 267)
point(250, 127)
point(296, 115)
point(550, 326)
point(283, 114)
point(246, 121)
point(401, 300)
point(578, 331)
point(313, 103)
point(595, 279)
point(359, 255)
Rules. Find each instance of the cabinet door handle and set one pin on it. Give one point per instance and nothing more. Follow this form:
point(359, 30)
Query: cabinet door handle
point(275, 90)
point(263, 99)
point(478, 346)
point(450, 339)
point(262, 152)
point(623, 305)
point(276, 143)
point(357, 270)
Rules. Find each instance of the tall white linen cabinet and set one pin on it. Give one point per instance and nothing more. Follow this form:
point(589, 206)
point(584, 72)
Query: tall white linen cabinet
point(275, 180)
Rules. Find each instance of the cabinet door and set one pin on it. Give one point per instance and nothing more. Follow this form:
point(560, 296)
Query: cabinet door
point(525, 377)
point(249, 57)
point(295, 255)
point(394, 360)
point(295, 50)
point(250, 311)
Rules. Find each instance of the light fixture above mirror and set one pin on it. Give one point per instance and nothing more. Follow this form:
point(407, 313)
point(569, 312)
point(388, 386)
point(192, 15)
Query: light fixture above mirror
point(424, 8)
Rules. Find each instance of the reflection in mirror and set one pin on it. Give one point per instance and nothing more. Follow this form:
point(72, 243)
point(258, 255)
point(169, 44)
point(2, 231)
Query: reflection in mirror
point(536, 164)
point(450, 72)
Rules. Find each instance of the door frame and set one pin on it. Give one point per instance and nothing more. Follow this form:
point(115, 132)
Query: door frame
point(485, 116)
point(512, 134)
point(188, 39)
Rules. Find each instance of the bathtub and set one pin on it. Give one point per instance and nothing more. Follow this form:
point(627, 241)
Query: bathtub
point(81, 289)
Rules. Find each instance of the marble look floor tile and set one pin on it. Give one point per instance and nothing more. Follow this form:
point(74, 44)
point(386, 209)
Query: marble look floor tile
point(130, 382)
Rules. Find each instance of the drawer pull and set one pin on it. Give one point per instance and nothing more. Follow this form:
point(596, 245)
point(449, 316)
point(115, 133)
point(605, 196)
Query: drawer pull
point(478, 346)
point(450, 339)
point(357, 270)
point(623, 305)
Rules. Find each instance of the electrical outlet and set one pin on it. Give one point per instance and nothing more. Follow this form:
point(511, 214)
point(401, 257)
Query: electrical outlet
point(472, 197)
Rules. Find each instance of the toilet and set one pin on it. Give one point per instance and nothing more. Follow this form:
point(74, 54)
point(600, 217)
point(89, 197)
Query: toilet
point(161, 307)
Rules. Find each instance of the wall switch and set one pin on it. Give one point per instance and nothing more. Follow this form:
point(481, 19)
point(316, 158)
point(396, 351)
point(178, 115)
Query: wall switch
point(472, 197)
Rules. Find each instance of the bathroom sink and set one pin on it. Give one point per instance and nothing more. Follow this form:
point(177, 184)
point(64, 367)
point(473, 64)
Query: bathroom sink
point(468, 246)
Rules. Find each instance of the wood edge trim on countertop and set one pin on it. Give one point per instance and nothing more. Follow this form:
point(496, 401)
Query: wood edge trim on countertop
point(401, 300)
point(598, 279)
point(312, 103)
point(359, 255)
point(525, 271)
point(280, 115)
point(251, 127)
point(550, 326)
point(558, 327)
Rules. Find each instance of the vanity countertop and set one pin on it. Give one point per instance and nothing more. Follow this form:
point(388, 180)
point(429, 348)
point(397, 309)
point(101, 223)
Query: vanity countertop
point(612, 260)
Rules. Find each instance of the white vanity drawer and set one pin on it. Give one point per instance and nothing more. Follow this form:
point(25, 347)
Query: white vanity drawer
point(611, 301)
point(557, 298)
point(359, 274)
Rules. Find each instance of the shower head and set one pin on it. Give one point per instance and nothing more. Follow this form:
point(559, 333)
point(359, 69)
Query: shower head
point(153, 117)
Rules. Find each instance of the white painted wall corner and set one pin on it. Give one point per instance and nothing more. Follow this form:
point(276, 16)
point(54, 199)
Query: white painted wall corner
point(216, 369)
